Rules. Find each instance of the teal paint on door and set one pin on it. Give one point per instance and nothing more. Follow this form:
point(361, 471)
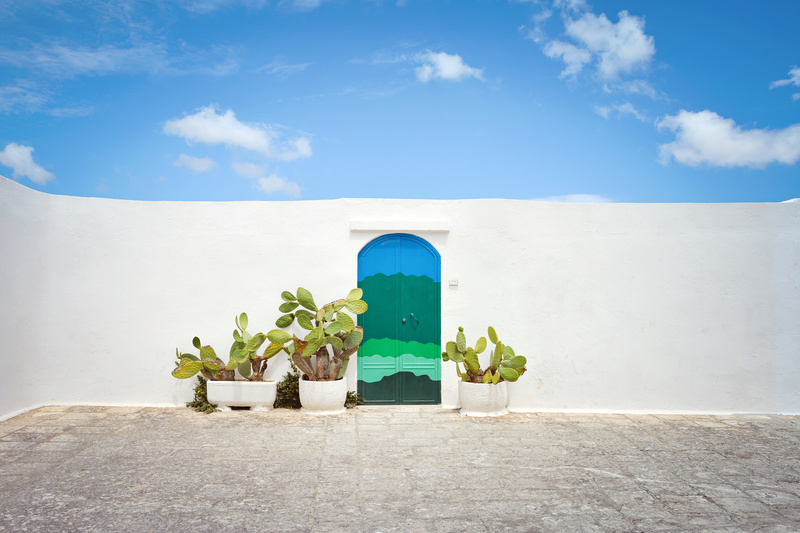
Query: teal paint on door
point(399, 361)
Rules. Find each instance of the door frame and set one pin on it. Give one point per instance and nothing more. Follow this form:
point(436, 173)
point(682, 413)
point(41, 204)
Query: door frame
point(434, 253)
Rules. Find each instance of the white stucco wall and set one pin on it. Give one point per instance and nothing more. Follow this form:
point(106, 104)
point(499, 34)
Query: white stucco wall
point(618, 307)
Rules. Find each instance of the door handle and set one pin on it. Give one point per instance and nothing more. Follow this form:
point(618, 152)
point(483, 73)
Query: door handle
point(416, 320)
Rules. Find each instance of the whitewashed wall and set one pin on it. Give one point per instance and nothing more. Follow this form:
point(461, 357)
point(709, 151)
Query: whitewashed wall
point(618, 307)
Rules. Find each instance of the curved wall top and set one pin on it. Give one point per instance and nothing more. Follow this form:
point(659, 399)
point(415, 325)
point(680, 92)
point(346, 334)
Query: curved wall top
point(618, 307)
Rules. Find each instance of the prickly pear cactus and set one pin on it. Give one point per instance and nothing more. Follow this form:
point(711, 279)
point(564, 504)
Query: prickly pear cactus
point(243, 357)
point(208, 363)
point(504, 364)
point(332, 334)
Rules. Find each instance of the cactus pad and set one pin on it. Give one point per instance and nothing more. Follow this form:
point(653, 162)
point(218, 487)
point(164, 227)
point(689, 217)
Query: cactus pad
point(305, 299)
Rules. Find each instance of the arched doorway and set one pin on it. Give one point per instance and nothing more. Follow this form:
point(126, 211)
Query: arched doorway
point(399, 361)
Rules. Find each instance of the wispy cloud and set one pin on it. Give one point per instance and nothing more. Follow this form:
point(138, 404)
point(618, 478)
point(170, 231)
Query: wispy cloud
point(283, 70)
point(300, 5)
point(64, 60)
point(248, 170)
point(209, 127)
point(100, 38)
point(794, 79)
point(705, 138)
point(209, 6)
point(622, 109)
point(197, 164)
point(70, 111)
point(25, 96)
point(444, 66)
point(641, 87)
point(432, 65)
point(383, 58)
point(22, 97)
point(19, 158)
point(571, 5)
point(269, 185)
point(274, 183)
point(537, 33)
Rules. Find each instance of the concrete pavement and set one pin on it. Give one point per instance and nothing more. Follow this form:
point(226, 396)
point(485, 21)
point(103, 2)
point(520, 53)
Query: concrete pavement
point(120, 469)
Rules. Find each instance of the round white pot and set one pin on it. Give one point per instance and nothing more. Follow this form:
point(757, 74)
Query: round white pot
point(257, 395)
point(483, 399)
point(323, 397)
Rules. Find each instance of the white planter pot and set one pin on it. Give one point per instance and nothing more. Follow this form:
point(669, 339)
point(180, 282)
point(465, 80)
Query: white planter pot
point(483, 399)
point(257, 395)
point(323, 397)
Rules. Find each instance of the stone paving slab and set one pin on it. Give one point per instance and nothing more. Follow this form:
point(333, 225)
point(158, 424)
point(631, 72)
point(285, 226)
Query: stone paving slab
point(405, 469)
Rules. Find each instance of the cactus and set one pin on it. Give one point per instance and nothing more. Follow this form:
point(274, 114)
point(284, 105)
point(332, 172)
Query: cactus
point(243, 357)
point(504, 364)
point(332, 334)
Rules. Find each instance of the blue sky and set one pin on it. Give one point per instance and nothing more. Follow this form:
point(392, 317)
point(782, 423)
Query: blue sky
point(620, 101)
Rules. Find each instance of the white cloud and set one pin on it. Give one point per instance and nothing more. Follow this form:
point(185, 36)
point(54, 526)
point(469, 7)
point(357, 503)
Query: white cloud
point(619, 48)
point(636, 87)
point(576, 198)
point(537, 33)
point(443, 66)
point(208, 127)
point(248, 170)
point(603, 111)
point(705, 138)
point(571, 5)
point(623, 109)
point(300, 147)
point(274, 183)
point(270, 184)
point(197, 164)
point(794, 79)
point(627, 108)
point(20, 159)
point(574, 57)
point(614, 49)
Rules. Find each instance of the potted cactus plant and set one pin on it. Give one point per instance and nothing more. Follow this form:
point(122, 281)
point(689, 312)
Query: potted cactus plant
point(223, 387)
point(324, 352)
point(484, 392)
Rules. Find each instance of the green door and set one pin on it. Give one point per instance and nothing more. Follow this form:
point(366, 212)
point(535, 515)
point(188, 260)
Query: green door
point(399, 361)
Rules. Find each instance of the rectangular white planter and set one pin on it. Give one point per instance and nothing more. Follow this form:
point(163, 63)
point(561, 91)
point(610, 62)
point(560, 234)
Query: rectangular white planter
point(258, 395)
